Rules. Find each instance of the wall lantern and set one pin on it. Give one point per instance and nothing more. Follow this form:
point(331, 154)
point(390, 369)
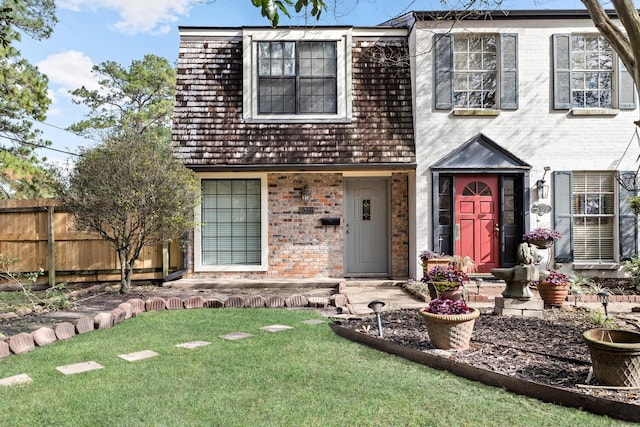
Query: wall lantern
point(305, 193)
point(541, 186)
point(628, 180)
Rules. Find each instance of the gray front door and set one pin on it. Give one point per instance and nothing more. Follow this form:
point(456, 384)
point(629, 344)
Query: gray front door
point(366, 227)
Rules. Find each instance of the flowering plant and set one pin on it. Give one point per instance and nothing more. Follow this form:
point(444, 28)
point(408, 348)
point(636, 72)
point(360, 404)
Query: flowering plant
point(447, 306)
point(448, 274)
point(554, 278)
point(426, 255)
point(541, 234)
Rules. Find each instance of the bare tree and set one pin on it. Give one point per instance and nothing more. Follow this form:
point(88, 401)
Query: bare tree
point(133, 192)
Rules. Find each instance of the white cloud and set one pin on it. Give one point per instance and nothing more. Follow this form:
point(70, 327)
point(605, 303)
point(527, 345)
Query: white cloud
point(136, 16)
point(69, 70)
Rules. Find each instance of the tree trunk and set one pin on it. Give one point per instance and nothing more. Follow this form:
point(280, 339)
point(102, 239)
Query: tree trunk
point(125, 273)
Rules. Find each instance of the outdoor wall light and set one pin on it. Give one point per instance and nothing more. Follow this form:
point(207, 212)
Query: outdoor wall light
point(305, 193)
point(376, 305)
point(603, 297)
point(541, 186)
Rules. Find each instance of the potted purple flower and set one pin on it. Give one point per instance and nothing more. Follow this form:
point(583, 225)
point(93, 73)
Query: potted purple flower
point(542, 237)
point(445, 282)
point(430, 259)
point(553, 288)
point(449, 323)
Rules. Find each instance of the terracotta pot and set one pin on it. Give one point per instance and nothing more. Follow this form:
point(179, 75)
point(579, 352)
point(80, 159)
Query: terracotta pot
point(615, 355)
point(434, 262)
point(450, 331)
point(553, 295)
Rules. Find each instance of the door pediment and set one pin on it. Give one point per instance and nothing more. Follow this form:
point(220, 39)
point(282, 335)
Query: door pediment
point(480, 152)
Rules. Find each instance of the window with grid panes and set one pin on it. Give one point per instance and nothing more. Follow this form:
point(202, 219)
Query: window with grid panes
point(593, 216)
point(231, 221)
point(475, 71)
point(297, 77)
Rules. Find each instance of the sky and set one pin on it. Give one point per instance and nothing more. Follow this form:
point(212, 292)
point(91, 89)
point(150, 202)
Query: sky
point(90, 32)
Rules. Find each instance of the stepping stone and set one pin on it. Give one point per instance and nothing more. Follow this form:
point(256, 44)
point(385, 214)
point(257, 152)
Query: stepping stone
point(15, 380)
point(276, 328)
point(213, 303)
point(274, 301)
point(194, 302)
point(234, 301)
point(313, 322)
point(296, 301)
point(319, 302)
point(138, 355)
point(64, 330)
point(78, 368)
point(193, 344)
point(4, 349)
point(137, 305)
point(233, 336)
point(155, 304)
point(103, 321)
point(174, 303)
point(21, 343)
point(118, 315)
point(254, 301)
point(84, 324)
point(44, 336)
point(127, 308)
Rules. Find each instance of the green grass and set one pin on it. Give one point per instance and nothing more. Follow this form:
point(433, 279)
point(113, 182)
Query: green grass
point(307, 376)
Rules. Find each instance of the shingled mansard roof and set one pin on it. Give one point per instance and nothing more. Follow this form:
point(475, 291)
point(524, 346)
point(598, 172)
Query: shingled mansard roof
point(210, 133)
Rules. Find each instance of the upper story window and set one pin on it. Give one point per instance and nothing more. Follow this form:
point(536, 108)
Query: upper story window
point(588, 74)
point(297, 76)
point(476, 71)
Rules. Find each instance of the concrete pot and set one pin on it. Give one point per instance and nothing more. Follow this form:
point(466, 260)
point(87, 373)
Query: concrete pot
point(615, 355)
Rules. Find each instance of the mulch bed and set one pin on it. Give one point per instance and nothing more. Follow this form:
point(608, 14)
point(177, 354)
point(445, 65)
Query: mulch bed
point(549, 351)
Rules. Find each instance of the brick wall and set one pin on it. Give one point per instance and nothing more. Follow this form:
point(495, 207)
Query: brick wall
point(399, 225)
point(299, 246)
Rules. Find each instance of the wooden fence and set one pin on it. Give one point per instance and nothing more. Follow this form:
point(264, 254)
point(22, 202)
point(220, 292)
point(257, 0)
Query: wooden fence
point(41, 236)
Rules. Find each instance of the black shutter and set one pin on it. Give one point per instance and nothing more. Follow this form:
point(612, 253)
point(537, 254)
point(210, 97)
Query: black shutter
point(443, 71)
point(626, 89)
point(562, 217)
point(509, 72)
point(561, 71)
point(628, 223)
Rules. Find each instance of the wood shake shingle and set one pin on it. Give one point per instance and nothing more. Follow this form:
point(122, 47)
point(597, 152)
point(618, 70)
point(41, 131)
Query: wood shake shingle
point(209, 130)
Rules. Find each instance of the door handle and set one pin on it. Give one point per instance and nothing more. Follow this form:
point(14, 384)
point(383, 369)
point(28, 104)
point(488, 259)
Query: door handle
point(497, 228)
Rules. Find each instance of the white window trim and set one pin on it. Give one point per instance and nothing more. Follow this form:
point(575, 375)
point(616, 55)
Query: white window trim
point(264, 226)
point(343, 39)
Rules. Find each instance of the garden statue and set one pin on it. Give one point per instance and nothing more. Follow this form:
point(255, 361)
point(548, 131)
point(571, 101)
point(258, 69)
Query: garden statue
point(518, 277)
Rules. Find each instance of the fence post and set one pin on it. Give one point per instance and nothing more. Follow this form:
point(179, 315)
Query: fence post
point(51, 240)
point(165, 259)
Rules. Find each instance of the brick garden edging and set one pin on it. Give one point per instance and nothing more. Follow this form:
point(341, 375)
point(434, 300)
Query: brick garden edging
point(24, 342)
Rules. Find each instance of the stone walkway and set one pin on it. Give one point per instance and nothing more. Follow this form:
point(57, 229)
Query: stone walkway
point(82, 367)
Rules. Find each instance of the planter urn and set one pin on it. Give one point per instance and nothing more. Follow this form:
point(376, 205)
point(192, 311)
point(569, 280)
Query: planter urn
point(450, 331)
point(615, 355)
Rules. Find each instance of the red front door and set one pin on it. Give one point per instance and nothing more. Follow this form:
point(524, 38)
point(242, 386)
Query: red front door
point(477, 220)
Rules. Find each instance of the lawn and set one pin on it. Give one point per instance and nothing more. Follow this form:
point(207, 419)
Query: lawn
point(306, 376)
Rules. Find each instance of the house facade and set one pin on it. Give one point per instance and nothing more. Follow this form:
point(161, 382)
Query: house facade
point(523, 119)
point(303, 145)
point(344, 152)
